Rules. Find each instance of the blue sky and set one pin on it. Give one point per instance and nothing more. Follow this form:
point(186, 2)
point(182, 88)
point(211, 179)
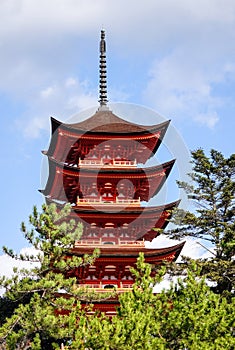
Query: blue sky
point(174, 57)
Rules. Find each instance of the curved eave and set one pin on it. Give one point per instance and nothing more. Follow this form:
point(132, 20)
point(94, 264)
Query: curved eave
point(117, 127)
point(159, 141)
point(153, 177)
point(72, 170)
point(140, 221)
point(89, 210)
point(47, 190)
point(64, 137)
point(118, 252)
point(55, 124)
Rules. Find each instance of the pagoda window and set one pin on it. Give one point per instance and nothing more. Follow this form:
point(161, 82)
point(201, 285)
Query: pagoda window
point(108, 234)
point(110, 267)
point(92, 268)
point(93, 277)
point(106, 155)
point(92, 235)
point(109, 225)
point(127, 278)
point(109, 242)
point(108, 195)
point(108, 185)
point(93, 194)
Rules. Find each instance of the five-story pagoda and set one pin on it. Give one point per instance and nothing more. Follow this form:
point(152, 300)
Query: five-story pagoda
point(94, 165)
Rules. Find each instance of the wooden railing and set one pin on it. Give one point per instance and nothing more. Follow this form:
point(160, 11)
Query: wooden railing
point(107, 162)
point(99, 243)
point(100, 287)
point(101, 201)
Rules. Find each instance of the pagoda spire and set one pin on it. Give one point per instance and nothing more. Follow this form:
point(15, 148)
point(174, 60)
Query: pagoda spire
point(103, 81)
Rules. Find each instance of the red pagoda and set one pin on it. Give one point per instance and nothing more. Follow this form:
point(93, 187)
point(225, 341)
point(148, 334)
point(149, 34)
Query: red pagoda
point(95, 166)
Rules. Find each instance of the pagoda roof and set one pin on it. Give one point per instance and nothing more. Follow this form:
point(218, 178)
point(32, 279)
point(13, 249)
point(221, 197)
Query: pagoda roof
point(116, 252)
point(151, 178)
point(117, 258)
point(137, 222)
point(105, 121)
point(72, 141)
point(109, 209)
point(113, 171)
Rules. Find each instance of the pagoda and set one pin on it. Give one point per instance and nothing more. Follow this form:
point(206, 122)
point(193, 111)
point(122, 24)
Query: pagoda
point(96, 166)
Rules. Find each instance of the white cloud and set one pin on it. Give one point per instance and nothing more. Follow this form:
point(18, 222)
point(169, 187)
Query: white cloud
point(187, 44)
point(32, 128)
point(62, 99)
point(7, 264)
point(81, 101)
point(207, 119)
point(192, 247)
point(70, 82)
point(181, 87)
point(40, 34)
point(48, 92)
point(161, 20)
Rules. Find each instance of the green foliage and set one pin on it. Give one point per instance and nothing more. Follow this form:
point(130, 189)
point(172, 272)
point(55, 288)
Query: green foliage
point(198, 318)
point(34, 293)
point(213, 193)
point(187, 316)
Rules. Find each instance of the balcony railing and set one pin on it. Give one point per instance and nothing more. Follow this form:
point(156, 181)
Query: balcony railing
point(106, 163)
point(102, 201)
point(99, 287)
point(100, 244)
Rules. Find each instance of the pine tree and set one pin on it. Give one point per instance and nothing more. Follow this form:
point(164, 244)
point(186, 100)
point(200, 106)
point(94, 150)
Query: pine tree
point(198, 318)
point(187, 316)
point(40, 313)
point(213, 221)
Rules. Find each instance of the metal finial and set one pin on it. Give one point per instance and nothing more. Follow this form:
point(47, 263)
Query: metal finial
point(103, 82)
